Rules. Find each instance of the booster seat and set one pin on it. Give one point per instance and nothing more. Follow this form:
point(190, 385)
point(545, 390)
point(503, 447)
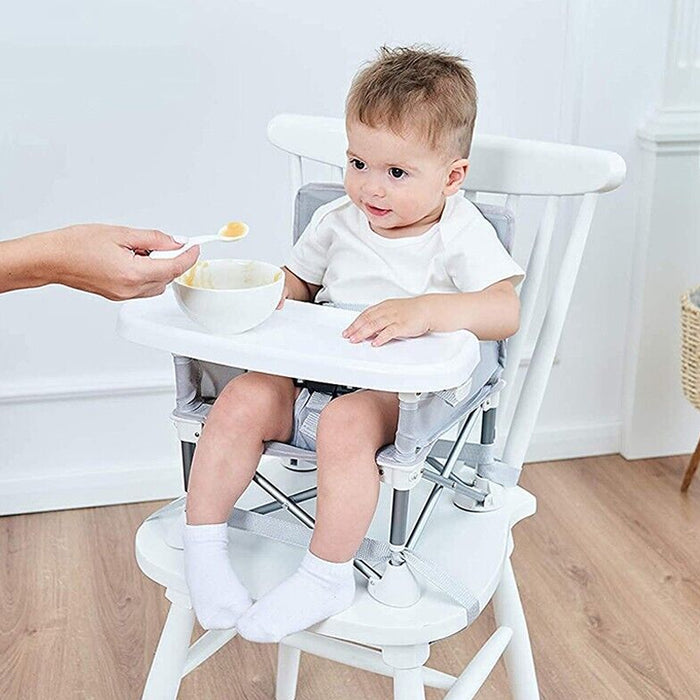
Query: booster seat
point(432, 413)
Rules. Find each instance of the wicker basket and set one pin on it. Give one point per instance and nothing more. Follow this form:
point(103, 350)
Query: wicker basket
point(690, 349)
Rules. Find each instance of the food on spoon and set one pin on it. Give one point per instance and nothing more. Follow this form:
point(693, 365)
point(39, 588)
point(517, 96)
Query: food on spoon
point(233, 229)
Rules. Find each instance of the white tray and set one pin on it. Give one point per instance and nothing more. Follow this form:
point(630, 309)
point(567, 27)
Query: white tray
point(304, 341)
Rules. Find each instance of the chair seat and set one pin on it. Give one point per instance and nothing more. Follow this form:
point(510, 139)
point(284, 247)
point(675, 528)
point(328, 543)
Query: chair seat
point(470, 546)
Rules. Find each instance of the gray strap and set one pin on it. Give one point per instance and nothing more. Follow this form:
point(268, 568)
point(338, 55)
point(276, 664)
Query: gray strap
point(455, 396)
point(310, 426)
point(445, 582)
point(500, 472)
point(188, 375)
point(275, 528)
point(487, 466)
point(177, 504)
point(370, 550)
point(473, 454)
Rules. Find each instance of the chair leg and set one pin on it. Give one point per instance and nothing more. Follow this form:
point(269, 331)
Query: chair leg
point(408, 684)
point(287, 672)
point(407, 664)
point(166, 671)
point(691, 469)
point(518, 654)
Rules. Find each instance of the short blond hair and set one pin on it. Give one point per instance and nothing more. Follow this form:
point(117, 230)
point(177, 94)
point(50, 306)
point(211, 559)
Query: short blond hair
point(419, 90)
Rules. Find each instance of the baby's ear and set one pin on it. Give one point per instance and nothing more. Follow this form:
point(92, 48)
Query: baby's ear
point(456, 175)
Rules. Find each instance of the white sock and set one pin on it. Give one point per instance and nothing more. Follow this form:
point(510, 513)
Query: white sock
point(217, 596)
point(316, 591)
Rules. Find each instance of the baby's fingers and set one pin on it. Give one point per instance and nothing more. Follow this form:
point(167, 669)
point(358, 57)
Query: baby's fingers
point(358, 332)
point(354, 326)
point(389, 333)
point(365, 325)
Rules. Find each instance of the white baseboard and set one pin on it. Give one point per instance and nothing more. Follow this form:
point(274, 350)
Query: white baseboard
point(95, 386)
point(100, 487)
point(105, 486)
point(575, 441)
point(87, 440)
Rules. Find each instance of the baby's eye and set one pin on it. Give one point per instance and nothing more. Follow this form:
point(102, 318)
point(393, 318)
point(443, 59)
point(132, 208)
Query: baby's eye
point(397, 173)
point(357, 164)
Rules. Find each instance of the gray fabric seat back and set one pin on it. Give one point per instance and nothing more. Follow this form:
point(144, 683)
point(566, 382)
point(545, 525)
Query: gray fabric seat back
point(310, 197)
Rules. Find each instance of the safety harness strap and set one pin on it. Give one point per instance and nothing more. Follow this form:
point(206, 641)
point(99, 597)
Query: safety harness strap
point(371, 550)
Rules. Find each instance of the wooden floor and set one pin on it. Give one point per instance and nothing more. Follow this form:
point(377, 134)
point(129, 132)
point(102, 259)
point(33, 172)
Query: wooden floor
point(609, 574)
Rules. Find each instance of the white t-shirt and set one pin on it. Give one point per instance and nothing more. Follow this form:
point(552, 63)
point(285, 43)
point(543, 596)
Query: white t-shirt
point(357, 267)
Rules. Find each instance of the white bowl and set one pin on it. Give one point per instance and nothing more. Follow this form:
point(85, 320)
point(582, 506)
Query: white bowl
point(229, 296)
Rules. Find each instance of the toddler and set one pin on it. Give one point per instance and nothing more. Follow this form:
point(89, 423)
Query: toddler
point(404, 243)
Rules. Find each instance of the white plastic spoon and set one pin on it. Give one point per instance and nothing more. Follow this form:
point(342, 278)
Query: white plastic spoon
point(232, 231)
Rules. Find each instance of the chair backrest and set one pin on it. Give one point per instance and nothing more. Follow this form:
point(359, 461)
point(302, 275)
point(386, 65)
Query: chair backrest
point(514, 168)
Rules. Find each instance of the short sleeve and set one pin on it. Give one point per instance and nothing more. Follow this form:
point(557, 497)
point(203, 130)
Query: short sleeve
point(309, 257)
point(475, 258)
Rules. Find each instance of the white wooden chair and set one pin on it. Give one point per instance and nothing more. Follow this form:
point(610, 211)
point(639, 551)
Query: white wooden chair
point(393, 639)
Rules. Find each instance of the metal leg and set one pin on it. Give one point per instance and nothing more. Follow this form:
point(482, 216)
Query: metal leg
point(399, 521)
point(488, 427)
point(518, 654)
point(287, 672)
point(187, 451)
point(300, 514)
point(168, 664)
point(432, 499)
point(398, 586)
point(299, 497)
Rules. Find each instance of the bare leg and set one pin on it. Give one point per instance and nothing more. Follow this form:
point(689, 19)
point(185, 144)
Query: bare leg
point(351, 430)
point(252, 409)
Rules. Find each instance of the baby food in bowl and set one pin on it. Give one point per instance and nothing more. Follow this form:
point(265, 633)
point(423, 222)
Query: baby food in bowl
point(229, 296)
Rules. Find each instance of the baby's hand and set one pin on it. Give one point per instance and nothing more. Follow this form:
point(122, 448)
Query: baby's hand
point(393, 318)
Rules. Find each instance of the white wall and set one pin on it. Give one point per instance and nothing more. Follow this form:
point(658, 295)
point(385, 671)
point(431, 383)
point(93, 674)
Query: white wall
point(154, 113)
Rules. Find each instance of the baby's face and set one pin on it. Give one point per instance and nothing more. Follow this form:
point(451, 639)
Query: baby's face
point(399, 182)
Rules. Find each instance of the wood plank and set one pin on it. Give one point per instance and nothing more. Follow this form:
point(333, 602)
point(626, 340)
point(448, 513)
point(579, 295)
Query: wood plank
point(609, 573)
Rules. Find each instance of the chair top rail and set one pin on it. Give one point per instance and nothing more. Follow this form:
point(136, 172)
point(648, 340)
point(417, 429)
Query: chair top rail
point(499, 164)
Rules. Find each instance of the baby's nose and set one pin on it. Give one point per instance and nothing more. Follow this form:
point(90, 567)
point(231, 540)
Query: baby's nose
point(374, 186)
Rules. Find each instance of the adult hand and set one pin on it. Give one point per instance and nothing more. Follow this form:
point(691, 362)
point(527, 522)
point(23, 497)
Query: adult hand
point(107, 260)
point(393, 318)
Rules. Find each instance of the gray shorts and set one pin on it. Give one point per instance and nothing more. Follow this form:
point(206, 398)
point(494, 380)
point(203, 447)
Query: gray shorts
point(307, 410)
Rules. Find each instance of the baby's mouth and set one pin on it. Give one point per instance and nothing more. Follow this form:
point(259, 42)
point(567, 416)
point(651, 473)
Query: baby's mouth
point(377, 211)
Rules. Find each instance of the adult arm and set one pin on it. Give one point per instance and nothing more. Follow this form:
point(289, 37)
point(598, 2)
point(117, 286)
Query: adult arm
point(107, 260)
